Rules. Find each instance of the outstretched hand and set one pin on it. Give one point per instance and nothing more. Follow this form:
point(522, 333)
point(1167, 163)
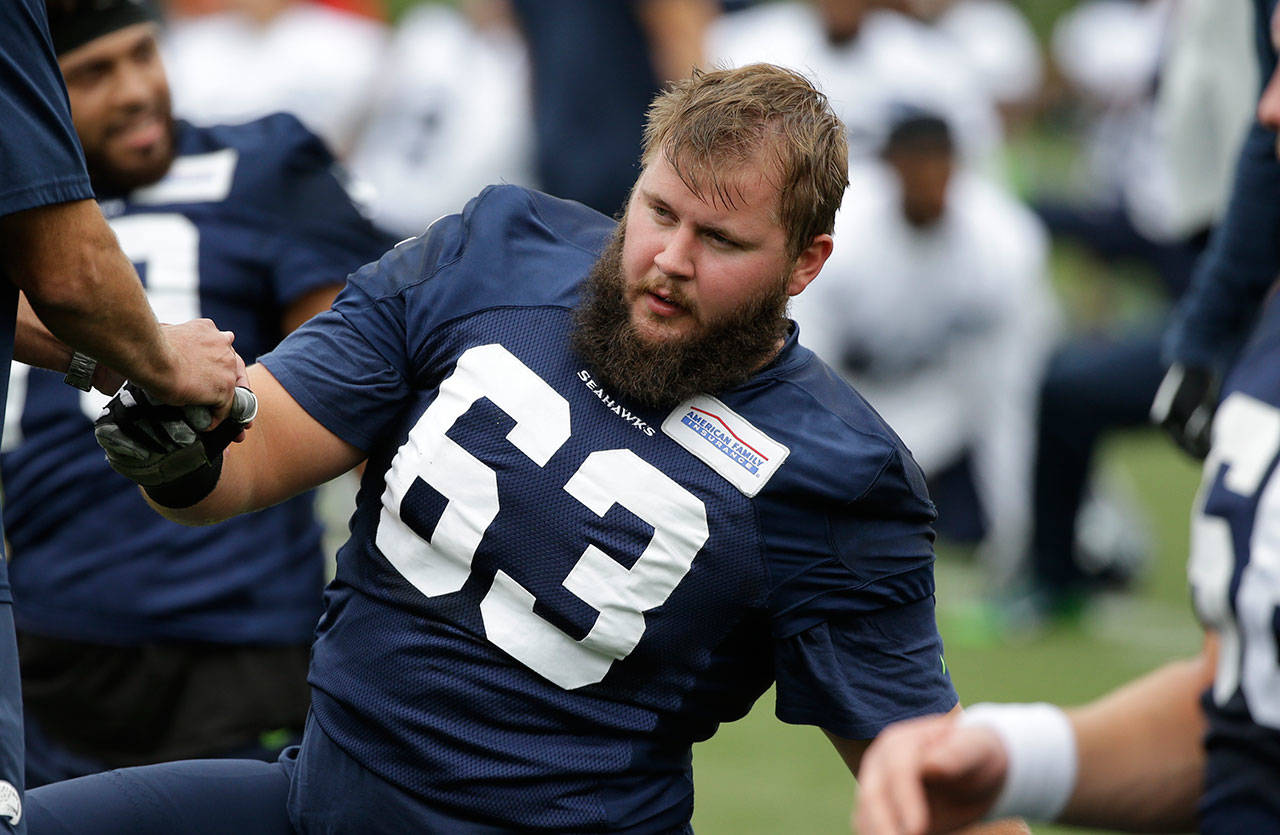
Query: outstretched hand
point(929, 775)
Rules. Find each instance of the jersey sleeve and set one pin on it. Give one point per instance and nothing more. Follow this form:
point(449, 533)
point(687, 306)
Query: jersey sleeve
point(350, 367)
point(39, 153)
point(856, 643)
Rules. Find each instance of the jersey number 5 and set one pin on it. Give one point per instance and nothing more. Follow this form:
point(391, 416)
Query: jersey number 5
point(605, 478)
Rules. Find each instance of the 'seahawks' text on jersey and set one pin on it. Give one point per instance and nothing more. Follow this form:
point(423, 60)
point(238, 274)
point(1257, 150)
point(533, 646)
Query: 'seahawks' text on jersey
point(549, 592)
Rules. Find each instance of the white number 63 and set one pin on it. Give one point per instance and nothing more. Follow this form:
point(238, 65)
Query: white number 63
point(605, 478)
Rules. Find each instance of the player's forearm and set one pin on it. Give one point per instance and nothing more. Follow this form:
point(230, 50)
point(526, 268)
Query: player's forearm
point(676, 31)
point(85, 292)
point(1152, 780)
point(34, 344)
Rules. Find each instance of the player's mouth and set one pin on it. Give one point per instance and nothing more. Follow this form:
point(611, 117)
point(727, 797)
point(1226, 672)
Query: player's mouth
point(141, 133)
point(663, 302)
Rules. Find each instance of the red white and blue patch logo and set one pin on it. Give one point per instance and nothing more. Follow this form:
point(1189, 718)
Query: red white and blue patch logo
point(726, 442)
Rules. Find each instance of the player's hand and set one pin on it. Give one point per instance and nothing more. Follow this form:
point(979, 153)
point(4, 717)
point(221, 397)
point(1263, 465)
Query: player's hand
point(1184, 406)
point(174, 452)
point(929, 775)
point(204, 371)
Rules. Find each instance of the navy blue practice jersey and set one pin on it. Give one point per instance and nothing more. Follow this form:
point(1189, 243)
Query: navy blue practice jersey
point(550, 592)
point(248, 219)
point(1235, 577)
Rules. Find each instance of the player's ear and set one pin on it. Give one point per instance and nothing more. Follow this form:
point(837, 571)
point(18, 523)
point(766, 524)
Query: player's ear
point(809, 263)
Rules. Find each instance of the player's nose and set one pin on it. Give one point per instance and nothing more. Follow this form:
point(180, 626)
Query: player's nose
point(675, 258)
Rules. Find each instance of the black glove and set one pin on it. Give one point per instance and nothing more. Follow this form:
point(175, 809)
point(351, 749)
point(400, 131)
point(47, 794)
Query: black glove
point(1184, 406)
point(166, 448)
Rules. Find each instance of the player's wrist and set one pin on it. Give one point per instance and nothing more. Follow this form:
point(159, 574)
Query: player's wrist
point(188, 489)
point(1041, 746)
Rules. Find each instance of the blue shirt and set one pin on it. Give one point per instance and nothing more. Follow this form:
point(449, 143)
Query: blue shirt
point(248, 219)
point(40, 158)
point(550, 592)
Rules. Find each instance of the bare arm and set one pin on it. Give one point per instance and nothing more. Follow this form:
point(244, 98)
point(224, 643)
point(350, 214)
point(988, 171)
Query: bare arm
point(66, 260)
point(285, 453)
point(1139, 748)
point(676, 30)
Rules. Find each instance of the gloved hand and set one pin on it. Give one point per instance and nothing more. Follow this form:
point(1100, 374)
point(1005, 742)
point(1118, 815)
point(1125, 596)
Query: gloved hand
point(167, 449)
point(1184, 406)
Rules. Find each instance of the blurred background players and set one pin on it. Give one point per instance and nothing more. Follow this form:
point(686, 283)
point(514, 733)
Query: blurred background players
point(936, 307)
point(141, 640)
point(1163, 89)
point(1196, 744)
point(254, 57)
point(451, 113)
point(870, 60)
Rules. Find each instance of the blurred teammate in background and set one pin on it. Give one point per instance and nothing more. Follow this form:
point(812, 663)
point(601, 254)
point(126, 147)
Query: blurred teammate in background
point(596, 67)
point(451, 109)
point(61, 254)
point(998, 41)
point(937, 308)
point(870, 60)
point(1168, 90)
point(1196, 743)
point(142, 640)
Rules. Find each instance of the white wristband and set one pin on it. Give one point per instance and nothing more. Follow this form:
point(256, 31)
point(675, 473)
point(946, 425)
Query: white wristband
point(1041, 745)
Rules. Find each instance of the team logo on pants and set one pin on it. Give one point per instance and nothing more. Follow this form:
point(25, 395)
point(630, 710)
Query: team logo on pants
point(10, 802)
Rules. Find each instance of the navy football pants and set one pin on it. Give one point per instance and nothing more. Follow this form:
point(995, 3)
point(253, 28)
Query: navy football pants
point(197, 797)
point(240, 797)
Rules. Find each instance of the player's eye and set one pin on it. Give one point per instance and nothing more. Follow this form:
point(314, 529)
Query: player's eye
point(721, 242)
point(145, 51)
point(88, 74)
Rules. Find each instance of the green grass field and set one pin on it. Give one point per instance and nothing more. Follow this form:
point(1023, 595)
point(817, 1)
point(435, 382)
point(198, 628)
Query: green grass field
point(761, 776)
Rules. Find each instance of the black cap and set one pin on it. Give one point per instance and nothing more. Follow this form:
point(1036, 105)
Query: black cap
point(913, 128)
point(73, 23)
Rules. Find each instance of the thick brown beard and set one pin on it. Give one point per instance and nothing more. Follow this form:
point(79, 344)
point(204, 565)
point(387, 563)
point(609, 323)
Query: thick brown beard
point(109, 179)
point(718, 357)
